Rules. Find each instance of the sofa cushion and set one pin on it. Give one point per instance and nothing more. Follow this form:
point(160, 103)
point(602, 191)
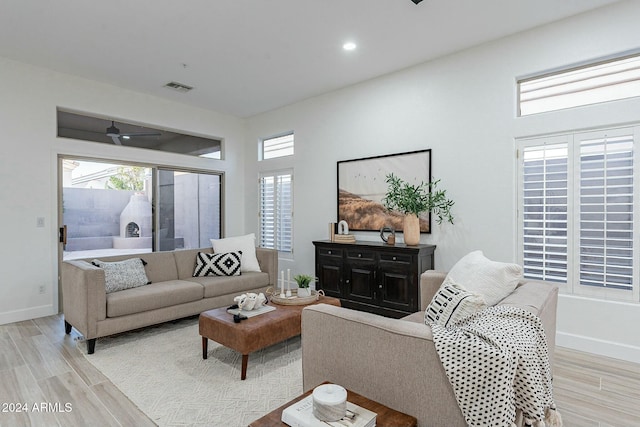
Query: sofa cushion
point(220, 285)
point(125, 274)
point(493, 280)
point(451, 304)
point(225, 264)
point(246, 244)
point(151, 297)
point(530, 296)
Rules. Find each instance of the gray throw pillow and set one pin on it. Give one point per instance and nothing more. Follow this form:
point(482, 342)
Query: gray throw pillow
point(121, 275)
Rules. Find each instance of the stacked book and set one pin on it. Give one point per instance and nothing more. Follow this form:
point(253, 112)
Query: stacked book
point(300, 414)
point(344, 238)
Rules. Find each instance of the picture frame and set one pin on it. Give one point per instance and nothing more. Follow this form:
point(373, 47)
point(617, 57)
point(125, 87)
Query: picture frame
point(362, 186)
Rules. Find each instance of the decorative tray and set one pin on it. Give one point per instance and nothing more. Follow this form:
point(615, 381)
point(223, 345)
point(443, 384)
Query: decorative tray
point(294, 299)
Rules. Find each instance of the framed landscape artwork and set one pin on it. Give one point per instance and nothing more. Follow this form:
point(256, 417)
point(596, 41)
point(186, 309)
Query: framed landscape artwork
point(362, 186)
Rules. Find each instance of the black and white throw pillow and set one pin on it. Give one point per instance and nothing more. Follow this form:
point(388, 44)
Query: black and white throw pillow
point(224, 264)
point(451, 304)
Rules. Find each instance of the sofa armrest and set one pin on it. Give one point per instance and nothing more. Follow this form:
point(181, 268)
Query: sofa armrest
point(268, 260)
point(391, 361)
point(84, 299)
point(430, 282)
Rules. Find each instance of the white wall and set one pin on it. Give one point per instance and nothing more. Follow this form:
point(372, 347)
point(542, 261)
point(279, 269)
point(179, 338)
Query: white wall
point(463, 108)
point(28, 169)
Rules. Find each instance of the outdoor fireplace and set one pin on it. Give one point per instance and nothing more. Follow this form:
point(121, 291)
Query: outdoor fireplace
point(135, 224)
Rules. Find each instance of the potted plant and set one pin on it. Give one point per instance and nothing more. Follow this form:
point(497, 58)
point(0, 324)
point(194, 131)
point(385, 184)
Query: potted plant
point(412, 200)
point(303, 281)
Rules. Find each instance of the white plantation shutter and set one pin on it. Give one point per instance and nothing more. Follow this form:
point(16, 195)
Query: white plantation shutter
point(578, 216)
point(544, 218)
point(276, 211)
point(606, 212)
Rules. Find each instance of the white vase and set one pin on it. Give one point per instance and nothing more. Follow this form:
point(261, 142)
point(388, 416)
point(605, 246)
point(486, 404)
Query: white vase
point(304, 292)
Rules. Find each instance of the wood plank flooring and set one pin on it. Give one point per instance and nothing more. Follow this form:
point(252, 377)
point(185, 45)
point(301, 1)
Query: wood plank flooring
point(40, 366)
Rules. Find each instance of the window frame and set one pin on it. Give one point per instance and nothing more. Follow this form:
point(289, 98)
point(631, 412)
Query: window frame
point(573, 141)
point(261, 149)
point(591, 88)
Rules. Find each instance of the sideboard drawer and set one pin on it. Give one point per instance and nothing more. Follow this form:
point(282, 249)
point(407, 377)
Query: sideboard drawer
point(391, 257)
point(360, 254)
point(333, 252)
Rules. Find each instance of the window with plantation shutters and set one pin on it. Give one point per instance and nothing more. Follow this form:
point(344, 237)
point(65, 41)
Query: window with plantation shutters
point(578, 214)
point(276, 211)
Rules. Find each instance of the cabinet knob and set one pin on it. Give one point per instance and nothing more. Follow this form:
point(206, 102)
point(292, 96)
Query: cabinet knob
point(348, 281)
point(359, 255)
point(380, 286)
point(394, 258)
point(329, 252)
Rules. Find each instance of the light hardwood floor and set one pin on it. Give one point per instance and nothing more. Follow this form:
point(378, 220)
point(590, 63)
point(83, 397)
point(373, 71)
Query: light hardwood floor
point(39, 364)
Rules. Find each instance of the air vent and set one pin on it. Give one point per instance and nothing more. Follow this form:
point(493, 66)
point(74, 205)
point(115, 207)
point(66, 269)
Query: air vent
point(178, 86)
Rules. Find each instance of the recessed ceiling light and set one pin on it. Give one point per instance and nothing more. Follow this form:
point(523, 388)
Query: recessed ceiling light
point(349, 46)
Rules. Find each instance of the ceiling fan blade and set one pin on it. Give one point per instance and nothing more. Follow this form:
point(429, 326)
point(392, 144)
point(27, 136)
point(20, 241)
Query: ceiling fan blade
point(116, 140)
point(141, 134)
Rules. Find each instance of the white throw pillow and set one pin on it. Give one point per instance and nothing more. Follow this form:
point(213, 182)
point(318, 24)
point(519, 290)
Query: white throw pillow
point(491, 279)
point(451, 304)
point(245, 244)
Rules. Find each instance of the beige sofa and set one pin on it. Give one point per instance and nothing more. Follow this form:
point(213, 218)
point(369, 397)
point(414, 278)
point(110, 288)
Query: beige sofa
point(172, 294)
point(394, 361)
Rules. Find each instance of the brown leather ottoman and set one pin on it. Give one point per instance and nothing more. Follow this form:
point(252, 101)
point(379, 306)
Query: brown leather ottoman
point(254, 333)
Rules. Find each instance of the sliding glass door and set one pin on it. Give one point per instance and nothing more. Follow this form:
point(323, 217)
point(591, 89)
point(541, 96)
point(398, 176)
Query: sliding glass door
point(108, 208)
point(189, 209)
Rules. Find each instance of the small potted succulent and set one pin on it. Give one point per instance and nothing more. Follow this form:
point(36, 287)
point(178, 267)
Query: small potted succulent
point(303, 281)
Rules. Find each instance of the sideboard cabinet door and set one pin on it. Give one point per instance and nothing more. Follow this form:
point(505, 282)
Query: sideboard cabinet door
point(398, 281)
point(329, 271)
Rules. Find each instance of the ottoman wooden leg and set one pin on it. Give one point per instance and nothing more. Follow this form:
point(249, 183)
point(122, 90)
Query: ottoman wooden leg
point(205, 344)
point(245, 362)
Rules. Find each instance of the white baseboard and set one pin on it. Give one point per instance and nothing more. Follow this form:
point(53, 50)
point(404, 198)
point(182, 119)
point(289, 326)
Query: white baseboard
point(600, 347)
point(27, 314)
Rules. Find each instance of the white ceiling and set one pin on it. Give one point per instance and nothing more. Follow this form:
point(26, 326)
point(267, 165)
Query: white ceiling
point(249, 56)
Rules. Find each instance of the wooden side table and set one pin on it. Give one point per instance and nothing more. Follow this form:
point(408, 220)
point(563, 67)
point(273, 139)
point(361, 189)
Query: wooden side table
point(386, 416)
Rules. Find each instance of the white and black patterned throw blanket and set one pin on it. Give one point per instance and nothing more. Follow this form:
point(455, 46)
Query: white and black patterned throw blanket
point(497, 362)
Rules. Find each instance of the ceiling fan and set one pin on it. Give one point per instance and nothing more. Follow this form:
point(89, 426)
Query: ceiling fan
point(114, 133)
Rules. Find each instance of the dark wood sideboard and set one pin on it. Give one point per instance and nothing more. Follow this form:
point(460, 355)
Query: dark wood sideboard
point(372, 276)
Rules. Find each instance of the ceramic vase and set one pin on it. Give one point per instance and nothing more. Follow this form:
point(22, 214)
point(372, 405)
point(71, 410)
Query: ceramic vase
point(411, 229)
point(304, 292)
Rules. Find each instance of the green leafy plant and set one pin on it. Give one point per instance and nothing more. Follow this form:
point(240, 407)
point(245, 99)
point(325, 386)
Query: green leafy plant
point(128, 178)
point(303, 280)
point(415, 199)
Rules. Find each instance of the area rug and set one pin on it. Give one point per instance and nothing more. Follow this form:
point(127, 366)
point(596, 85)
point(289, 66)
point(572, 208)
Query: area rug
point(161, 370)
